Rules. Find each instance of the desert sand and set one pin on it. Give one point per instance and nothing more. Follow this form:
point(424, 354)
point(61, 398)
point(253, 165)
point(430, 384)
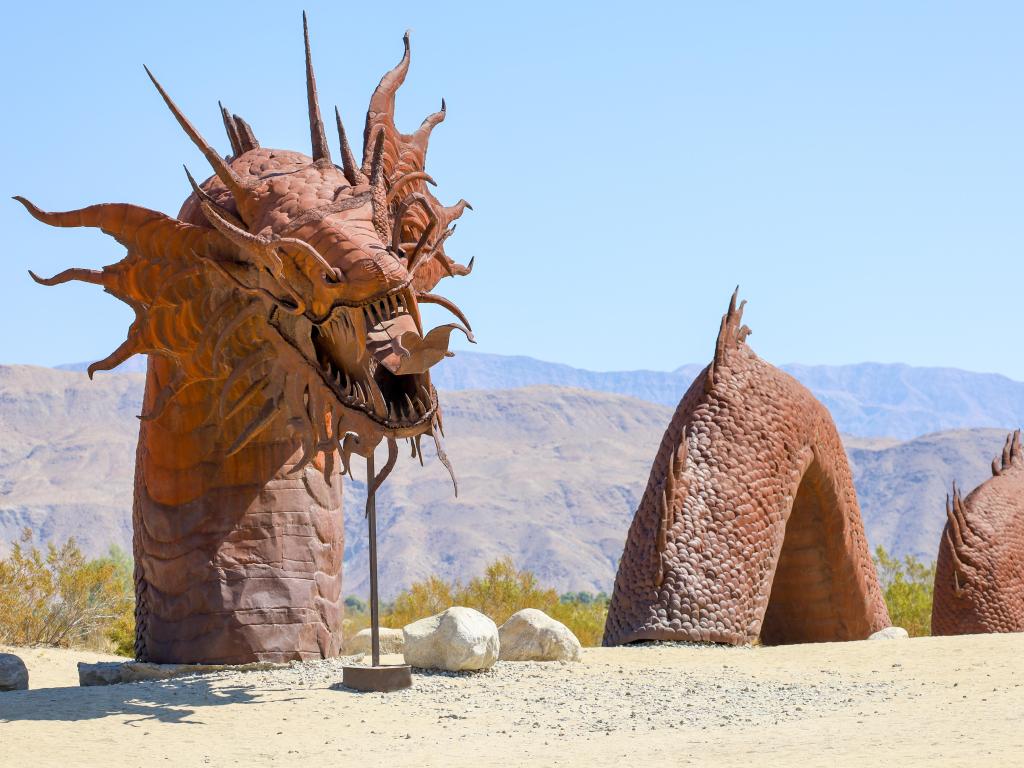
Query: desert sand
point(929, 701)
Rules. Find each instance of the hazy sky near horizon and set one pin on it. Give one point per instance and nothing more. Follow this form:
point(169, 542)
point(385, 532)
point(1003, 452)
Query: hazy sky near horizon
point(856, 170)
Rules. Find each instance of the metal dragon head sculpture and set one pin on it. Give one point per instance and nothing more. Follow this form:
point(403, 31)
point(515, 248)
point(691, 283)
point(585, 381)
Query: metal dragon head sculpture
point(293, 282)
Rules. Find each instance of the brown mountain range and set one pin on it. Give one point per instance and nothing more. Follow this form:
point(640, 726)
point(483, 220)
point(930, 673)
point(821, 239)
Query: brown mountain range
point(547, 475)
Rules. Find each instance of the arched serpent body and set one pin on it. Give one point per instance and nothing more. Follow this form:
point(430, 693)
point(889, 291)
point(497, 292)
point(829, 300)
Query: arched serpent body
point(749, 528)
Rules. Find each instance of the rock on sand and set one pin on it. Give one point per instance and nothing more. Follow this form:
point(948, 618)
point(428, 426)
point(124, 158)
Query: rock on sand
point(532, 635)
point(890, 633)
point(13, 673)
point(455, 639)
point(391, 641)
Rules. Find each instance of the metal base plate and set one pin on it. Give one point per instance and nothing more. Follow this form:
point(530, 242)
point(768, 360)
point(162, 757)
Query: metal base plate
point(383, 678)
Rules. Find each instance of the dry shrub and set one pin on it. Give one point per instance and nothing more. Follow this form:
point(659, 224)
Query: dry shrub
point(57, 597)
point(907, 586)
point(503, 590)
point(424, 598)
point(498, 593)
point(584, 617)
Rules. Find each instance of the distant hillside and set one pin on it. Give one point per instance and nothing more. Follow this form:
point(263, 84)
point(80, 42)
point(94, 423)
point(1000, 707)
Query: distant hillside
point(550, 476)
point(866, 399)
point(67, 455)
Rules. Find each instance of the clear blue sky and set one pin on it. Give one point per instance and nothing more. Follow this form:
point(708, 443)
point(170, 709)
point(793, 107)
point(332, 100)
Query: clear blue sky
point(857, 170)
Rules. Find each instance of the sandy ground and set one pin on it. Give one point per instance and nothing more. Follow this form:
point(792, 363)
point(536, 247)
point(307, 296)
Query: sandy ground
point(930, 701)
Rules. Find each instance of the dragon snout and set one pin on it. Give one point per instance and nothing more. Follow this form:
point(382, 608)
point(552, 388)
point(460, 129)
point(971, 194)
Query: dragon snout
point(380, 274)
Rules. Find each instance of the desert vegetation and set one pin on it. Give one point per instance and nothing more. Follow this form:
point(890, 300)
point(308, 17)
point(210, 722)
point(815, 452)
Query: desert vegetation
point(499, 592)
point(55, 596)
point(907, 585)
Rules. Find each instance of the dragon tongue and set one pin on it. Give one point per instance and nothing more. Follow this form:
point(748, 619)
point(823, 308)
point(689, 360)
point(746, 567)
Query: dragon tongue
point(425, 352)
point(397, 345)
point(384, 341)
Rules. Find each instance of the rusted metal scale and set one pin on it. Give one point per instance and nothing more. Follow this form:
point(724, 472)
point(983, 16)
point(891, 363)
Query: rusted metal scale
point(749, 529)
point(979, 576)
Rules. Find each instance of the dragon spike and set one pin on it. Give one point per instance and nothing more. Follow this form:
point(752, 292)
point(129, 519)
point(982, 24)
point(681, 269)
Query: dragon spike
point(441, 301)
point(377, 161)
point(93, 276)
point(321, 150)
point(399, 183)
point(245, 135)
point(231, 128)
point(203, 196)
point(242, 238)
point(383, 99)
point(453, 212)
point(378, 191)
point(353, 173)
point(133, 227)
point(437, 432)
point(402, 209)
point(422, 135)
point(1011, 454)
point(220, 166)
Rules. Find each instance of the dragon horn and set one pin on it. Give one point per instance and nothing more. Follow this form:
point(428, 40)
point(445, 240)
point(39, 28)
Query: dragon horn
point(231, 128)
point(321, 150)
point(421, 138)
point(245, 135)
point(221, 168)
point(378, 187)
point(353, 173)
point(132, 226)
point(203, 196)
point(382, 103)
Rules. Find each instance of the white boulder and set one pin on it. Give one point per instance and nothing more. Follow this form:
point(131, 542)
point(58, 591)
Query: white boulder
point(532, 635)
point(456, 639)
point(391, 641)
point(890, 633)
point(13, 673)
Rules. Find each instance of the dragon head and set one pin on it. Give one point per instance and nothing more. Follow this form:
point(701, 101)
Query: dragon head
point(292, 282)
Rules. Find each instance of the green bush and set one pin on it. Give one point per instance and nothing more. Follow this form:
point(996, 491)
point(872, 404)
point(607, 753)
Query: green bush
point(907, 585)
point(354, 604)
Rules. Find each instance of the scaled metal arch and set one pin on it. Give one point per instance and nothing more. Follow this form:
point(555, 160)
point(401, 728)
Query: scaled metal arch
point(749, 528)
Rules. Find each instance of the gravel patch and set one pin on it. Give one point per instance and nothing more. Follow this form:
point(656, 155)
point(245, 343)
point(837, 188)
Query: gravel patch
point(560, 697)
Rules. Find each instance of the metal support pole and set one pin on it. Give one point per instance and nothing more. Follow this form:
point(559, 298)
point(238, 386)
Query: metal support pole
point(371, 517)
point(393, 677)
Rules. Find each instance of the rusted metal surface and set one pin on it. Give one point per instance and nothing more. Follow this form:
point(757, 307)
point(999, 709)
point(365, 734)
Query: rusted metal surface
point(979, 573)
point(280, 313)
point(749, 529)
